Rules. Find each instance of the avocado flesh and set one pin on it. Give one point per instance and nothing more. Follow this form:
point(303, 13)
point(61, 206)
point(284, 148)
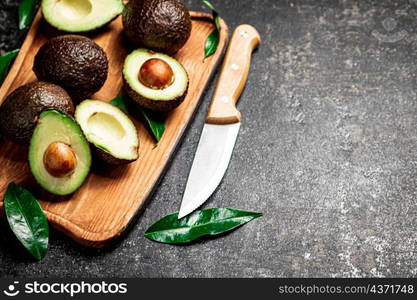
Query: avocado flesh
point(110, 130)
point(161, 25)
point(155, 99)
point(52, 127)
point(21, 109)
point(74, 62)
point(80, 15)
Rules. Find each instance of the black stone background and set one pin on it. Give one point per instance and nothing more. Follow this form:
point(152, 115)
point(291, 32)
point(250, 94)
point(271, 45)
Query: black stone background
point(327, 151)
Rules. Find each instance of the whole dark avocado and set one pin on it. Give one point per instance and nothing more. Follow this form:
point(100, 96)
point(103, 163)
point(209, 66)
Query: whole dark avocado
point(160, 25)
point(21, 109)
point(73, 62)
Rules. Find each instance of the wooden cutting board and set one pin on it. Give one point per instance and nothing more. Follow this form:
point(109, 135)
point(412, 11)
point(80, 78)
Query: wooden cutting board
point(110, 198)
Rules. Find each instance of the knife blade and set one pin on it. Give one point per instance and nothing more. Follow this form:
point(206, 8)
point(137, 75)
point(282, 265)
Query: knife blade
point(222, 125)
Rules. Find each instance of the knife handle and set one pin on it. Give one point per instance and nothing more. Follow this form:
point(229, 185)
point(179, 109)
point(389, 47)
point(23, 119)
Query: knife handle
point(233, 76)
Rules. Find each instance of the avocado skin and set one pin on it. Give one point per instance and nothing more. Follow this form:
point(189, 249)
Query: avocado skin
point(156, 105)
point(161, 25)
point(20, 111)
point(108, 158)
point(73, 62)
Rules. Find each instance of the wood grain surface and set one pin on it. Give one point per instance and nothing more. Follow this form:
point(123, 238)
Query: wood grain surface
point(233, 76)
point(110, 198)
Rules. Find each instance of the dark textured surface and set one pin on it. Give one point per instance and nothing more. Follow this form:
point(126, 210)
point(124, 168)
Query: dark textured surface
point(327, 151)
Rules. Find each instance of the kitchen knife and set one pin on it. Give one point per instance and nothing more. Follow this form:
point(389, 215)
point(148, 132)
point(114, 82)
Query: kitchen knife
point(223, 122)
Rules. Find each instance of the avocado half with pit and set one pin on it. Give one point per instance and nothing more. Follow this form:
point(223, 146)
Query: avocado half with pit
point(80, 15)
point(20, 111)
point(109, 130)
point(154, 80)
point(59, 154)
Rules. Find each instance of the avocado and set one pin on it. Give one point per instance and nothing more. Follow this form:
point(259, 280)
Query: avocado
point(154, 80)
point(73, 62)
point(20, 111)
point(109, 130)
point(160, 25)
point(59, 154)
point(80, 15)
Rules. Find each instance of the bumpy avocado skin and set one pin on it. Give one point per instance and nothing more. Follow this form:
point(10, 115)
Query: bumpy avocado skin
point(156, 105)
point(73, 62)
point(160, 25)
point(21, 109)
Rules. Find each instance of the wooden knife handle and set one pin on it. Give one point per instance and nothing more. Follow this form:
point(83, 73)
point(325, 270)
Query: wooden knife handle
point(233, 76)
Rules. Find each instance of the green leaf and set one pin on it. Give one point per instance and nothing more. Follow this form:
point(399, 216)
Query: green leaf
point(155, 122)
point(210, 221)
point(209, 5)
point(27, 220)
point(5, 62)
point(27, 9)
point(122, 103)
point(213, 39)
point(211, 43)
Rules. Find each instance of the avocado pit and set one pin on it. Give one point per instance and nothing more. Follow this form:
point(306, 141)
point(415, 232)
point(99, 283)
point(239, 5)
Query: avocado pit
point(59, 159)
point(156, 74)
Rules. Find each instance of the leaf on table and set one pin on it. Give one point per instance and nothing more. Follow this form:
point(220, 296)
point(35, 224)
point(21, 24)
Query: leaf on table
point(27, 9)
point(155, 122)
point(5, 62)
point(210, 221)
point(209, 5)
point(213, 39)
point(27, 220)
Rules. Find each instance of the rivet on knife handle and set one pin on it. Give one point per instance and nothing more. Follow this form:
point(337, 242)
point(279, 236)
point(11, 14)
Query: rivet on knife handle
point(233, 76)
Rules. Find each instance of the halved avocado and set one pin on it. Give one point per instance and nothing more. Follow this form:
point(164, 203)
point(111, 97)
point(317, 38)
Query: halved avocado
point(154, 80)
point(80, 15)
point(110, 130)
point(59, 154)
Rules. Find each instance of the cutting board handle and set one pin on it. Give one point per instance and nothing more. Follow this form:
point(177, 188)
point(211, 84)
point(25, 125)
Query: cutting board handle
point(233, 76)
